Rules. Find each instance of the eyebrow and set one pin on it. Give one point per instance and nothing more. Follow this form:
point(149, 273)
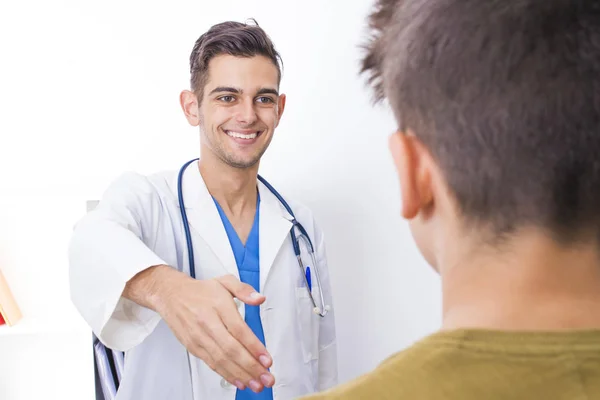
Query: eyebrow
point(268, 91)
point(228, 89)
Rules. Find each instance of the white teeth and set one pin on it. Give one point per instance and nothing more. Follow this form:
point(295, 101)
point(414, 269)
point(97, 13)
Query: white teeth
point(241, 135)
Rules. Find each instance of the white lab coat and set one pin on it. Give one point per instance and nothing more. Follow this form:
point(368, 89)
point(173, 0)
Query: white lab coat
point(137, 224)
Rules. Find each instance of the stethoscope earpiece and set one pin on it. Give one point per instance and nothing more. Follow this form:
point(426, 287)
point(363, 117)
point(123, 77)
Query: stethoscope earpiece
point(317, 311)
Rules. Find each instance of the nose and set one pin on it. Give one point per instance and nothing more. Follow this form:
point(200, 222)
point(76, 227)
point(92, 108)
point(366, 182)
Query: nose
point(246, 113)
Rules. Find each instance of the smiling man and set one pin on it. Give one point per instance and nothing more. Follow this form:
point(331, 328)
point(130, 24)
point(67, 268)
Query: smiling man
point(252, 324)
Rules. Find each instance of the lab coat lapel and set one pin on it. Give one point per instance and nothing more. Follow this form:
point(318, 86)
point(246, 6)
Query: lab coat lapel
point(205, 220)
point(274, 227)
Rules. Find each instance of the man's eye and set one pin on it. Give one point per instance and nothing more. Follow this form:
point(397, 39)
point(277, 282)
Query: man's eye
point(265, 100)
point(226, 99)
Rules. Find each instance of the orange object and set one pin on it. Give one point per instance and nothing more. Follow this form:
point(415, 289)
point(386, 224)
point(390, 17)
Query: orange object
point(9, 310)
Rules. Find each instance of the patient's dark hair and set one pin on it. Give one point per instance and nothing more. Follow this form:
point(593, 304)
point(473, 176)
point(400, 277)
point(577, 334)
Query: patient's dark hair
point(506, 95)
point(232, 38)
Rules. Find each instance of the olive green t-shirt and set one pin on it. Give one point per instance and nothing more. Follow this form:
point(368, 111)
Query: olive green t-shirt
point(485, 365)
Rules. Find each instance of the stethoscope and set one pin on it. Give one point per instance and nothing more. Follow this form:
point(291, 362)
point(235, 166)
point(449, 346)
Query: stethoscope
point(302, 235)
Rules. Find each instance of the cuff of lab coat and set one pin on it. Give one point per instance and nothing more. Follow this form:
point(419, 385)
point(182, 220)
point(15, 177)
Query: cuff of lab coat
point(126, 324)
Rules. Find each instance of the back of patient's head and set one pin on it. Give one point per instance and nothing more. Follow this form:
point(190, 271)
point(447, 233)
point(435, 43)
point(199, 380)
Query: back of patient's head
point(505, 94)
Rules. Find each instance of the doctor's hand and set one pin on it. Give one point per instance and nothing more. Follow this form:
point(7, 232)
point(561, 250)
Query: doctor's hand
point(204, 317)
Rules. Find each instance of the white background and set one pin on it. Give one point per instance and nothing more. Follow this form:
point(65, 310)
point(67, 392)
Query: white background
point(90, 89)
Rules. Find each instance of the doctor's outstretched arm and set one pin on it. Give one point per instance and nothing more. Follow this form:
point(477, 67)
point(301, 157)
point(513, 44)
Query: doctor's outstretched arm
point(122, 288)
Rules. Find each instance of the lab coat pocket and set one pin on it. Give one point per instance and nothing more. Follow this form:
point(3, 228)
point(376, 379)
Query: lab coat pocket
point(309, 324)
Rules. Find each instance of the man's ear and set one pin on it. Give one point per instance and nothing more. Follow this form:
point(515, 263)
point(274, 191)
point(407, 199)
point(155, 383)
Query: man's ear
point(189, 105)
point(411, 158)
point(280, 108)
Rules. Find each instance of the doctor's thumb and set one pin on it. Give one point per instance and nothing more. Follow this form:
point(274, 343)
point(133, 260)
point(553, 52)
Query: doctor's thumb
point(241, 291)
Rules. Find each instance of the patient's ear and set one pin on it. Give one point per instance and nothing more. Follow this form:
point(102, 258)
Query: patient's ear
point(413, 163)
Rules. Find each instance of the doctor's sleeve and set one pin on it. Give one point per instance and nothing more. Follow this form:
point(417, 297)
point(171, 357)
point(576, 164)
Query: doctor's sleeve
point(107, 248)
point(328, 364)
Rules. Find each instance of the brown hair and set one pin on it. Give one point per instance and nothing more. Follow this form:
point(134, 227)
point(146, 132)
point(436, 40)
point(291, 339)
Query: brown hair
point(233, 38)
point(506, 95)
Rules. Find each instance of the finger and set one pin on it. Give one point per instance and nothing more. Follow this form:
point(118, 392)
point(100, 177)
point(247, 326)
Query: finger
point(206, 349)
point(242, 333)
point(242, 291)
point(230, 367)
point(261, 376)
point(234, 351)
point(236, 326)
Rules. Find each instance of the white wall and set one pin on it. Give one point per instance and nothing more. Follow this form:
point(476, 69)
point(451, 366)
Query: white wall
point(89, 89)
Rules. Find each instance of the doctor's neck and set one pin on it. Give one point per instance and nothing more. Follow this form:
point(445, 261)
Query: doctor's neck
point(234, 188)
point(528, 282)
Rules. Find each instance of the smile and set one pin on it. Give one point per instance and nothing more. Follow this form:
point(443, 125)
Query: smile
point(243, 135)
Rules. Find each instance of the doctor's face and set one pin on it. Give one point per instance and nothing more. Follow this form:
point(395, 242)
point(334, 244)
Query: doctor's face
point(240, 108)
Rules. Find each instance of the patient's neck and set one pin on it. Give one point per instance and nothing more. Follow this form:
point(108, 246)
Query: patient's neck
point(531, 282)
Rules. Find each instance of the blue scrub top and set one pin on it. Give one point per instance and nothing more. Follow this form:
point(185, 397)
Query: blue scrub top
point(247, 260)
